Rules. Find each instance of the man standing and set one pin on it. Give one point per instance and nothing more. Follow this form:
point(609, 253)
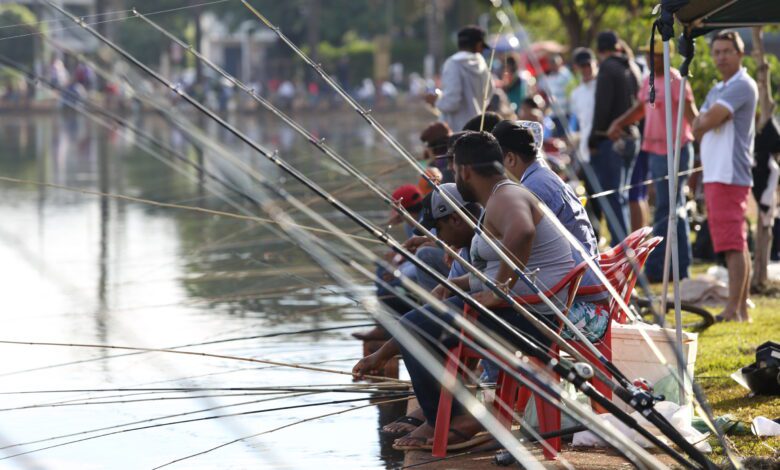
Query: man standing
point(617, 85)
point(558, 79)
point(465, 79)
point(654, 145)
point(726, 129)
point(583, 97)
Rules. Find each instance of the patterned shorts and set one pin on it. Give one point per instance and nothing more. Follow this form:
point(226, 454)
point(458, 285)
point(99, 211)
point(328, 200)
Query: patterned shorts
point(589, 318)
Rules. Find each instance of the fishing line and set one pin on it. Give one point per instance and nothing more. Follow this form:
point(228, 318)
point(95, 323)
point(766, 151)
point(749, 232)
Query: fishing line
point(188, 353)
point(698, 394)
point(181, 379)
point(643, 183)
point(193, 420)
point(107, 401)
point(357, 174)
point(616, 373)
point(280, 428)
point(82, 22)
point(328, 260)
point(177, 415)
point(150, 202)
point(493, 242)
point(275, 159)
point(554, 366)
point(334, 388)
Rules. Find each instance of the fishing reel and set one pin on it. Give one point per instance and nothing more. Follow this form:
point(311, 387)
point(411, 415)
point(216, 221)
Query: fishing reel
point(642, 394)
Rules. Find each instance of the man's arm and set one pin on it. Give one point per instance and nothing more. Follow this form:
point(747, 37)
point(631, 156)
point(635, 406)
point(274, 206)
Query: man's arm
point(690, 110)
point(516, 233)
point(710, 119)
point(450, 99)
point(632, 115)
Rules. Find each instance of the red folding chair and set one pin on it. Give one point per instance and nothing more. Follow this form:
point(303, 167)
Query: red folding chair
point(505, 393)
point(617, 252)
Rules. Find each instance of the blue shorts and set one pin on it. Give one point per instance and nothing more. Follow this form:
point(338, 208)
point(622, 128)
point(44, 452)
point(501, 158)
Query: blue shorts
point(641, 173)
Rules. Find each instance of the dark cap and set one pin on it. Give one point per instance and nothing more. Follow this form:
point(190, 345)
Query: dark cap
point(606, 41)
point(470, 35)
point(583, 56)
point(523, 136)
point(436, 207)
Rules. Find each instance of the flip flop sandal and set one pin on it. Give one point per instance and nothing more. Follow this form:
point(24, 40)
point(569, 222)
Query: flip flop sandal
point(411, 420)
point(466, 443)
point(422, 440)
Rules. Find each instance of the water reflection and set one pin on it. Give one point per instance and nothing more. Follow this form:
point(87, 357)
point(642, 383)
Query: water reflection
point(83, 268)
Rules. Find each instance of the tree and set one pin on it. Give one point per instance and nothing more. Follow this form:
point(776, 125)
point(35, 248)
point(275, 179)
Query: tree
point(16, 42)
point(582, 20)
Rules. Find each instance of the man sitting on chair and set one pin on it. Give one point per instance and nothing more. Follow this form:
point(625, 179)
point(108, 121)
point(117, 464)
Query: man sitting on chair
point(513, 221)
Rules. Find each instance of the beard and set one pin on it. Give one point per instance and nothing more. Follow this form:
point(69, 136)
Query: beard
point(465, 190)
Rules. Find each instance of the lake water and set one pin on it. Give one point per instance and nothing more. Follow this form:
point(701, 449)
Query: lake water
point(77, 267)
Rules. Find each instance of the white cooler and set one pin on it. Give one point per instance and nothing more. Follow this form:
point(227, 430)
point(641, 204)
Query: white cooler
point(633, 356)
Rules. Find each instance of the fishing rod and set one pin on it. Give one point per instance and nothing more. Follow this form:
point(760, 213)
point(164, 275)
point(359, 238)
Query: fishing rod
point(285, 426)
point(698, 395)
point(324, 256)
point(494, 244)
point(187, 421)
point(629, 396)
point(575, 375)
point(150, 420)
point(112, 20)
point(188, 353)
point(297, 175)
point(105, 401)
point(370, 184)
point(381, 235)
point(152, 202)
point(324, 388)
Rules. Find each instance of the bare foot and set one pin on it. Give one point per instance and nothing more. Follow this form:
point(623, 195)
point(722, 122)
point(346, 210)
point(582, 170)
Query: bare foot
point(399, 427)
point(415, 439)
point(462, 428)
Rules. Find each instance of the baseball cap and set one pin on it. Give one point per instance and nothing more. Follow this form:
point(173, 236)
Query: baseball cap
point(470, 35)
point(606, 41)
point(435, 207)
point(408, 195)
point(514, 134)
point(582, 56)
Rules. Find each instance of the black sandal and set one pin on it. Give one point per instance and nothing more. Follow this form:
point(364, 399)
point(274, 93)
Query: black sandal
point(403, 420)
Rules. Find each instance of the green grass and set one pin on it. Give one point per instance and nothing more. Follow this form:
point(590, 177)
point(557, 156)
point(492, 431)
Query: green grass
point(724, 348)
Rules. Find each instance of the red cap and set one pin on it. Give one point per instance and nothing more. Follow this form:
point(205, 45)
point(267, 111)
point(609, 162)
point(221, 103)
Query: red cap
point(408, 194)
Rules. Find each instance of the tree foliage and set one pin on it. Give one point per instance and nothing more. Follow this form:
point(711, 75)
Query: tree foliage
point(17, 41)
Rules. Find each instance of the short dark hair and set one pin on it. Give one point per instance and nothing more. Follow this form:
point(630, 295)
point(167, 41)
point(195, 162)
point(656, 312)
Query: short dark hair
point(469, 36)
point(481, 151)
point(491, 119)
point(729, 35)
point(516, 139)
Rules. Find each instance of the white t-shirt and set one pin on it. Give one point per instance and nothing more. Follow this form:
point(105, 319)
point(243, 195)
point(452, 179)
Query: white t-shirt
point(727, 150)
point(583, 102)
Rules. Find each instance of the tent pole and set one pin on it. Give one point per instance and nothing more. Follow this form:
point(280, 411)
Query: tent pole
point(672, 250)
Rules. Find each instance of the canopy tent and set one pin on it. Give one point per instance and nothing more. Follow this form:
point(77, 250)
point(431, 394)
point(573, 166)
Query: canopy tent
point(702, 16)
point(698, 17)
